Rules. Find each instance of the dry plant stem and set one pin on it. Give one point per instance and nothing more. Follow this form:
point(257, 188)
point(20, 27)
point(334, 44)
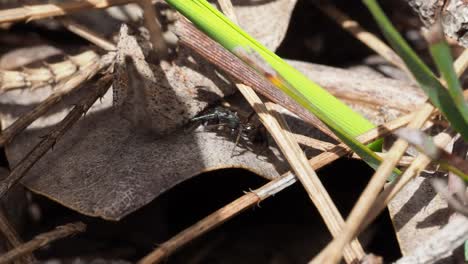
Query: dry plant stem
point(42, 240)
point(392, 189)
point(33, 12)
point(51, 139)
point(88, 34)
point(48, 75)
point(441, 244)
point(13, 238)
point(155, 31)
point(254, 197)
point(62, 90)
point(278, 128)
point(333, 252)
point(192, 38)
point(461, 63)
point(326, 146)
point(317, 192)
point(360, 33)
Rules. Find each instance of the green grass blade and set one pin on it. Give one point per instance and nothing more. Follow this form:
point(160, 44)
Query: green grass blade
point(346, 123)
point(442, 56)
point(212, 22)
point(438, 95)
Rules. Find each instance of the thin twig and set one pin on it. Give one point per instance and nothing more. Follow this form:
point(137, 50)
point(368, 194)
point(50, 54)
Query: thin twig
point(461, 63)
point(360, 33)
point(50, 140)
point(42, 240)
point(13, 238)
point(49, 74)
point(279, 130)
point(33, 12)
point(154, 28)
point(88, 34)
point(441, 244)
point(358, 216)
point(394, 187)
point(326, 146)
point(60, 92)
point(333, 252)
point(252, 198)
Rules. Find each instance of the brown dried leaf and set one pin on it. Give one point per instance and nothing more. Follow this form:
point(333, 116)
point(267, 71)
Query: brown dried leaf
point(106, 166)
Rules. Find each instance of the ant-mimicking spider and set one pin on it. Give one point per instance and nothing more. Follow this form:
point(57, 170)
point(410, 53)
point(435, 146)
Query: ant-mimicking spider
point(221, 116)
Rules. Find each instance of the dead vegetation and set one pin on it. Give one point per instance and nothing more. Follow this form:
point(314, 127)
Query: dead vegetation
point(108, 129)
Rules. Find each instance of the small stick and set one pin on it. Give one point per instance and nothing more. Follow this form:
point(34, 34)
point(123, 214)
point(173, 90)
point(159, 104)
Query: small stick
point(278, 128)
point(252, 198)
point(60, 91)
point(154, 28)
point(88, 34)
point(359, 215)
point(333, 252)
point(33, 12)
point(50, 140)
point(360, 33)
point(42, 240)
point(461, 63)
point(49, 74)
point(394, 187)
point(13, 238)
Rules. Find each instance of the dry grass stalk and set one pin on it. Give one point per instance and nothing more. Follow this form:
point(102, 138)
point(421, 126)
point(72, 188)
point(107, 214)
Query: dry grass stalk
point(154, 28)
point(333, 252)
point(88, 34)
point(254, 197)
point(60, 91)
point(392, 188)
point(360, 212)
point(51, 139)
point(13, 238)
point(461, 63)
point(317, 192)
point(278, 128)
point(50, 74)
point(42, 240)
point(313, 143)
point(327, 146)
point(33, 12)
point(360, 33)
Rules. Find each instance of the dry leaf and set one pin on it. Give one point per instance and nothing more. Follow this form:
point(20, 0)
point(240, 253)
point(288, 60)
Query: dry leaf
point(106, 167)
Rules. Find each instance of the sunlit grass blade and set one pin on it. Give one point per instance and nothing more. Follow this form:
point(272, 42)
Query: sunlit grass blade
point(221, 29)
point(442, 56)
point(438, 95)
